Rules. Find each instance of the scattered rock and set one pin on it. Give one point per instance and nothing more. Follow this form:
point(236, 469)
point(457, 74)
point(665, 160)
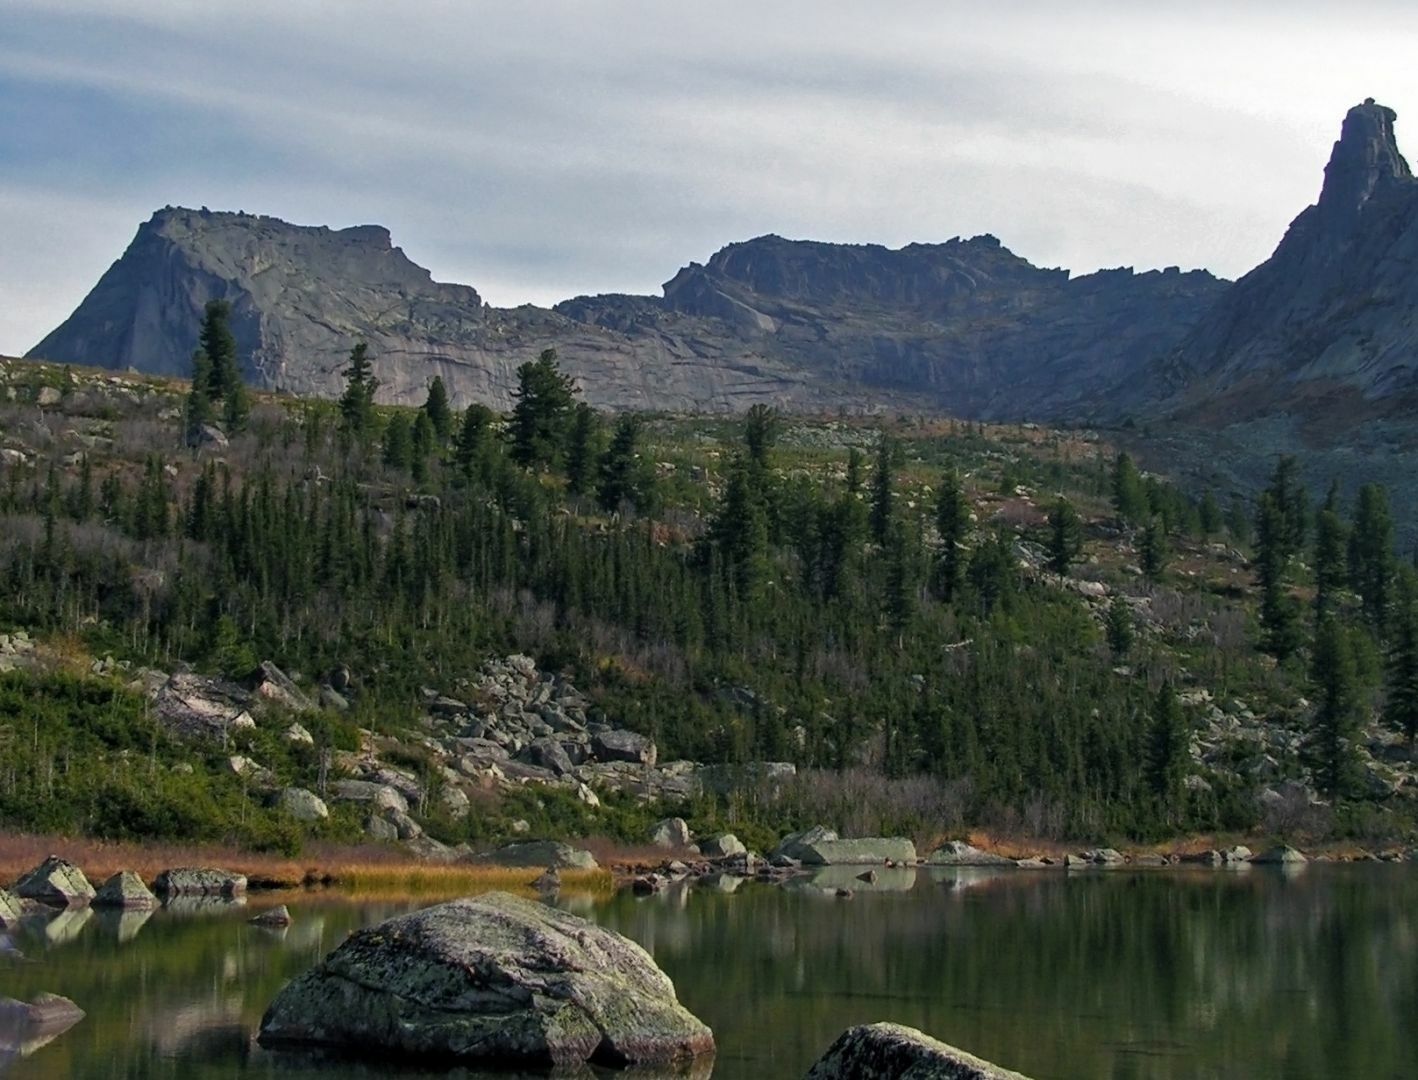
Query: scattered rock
point(55, 882)
point(273, 684)
point(1105, 857)
point(892, 1050)
point(274, 917)
point(193, 706)
point(492, 980)
point(379, 830)
point(198, 881)
point(869, 877)
point(1238, 854)
point(549, 882)
point(302, 805)
point(1280, 855)
point(380, 796)
point(620, 745)
point(297, 734)
point(126, 890)
point(549, 853)
point(959, 853)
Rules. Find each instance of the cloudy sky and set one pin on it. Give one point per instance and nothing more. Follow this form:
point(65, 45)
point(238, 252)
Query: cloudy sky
point(540, 150)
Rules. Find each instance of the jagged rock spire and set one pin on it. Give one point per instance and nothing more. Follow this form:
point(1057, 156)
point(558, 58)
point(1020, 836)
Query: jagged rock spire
point(1365, 161)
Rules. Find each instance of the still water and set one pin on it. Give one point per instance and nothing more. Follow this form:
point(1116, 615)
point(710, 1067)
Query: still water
point(1243, 973)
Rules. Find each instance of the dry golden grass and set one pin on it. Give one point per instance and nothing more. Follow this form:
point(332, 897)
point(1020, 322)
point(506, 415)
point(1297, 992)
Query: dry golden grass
point(362, 872)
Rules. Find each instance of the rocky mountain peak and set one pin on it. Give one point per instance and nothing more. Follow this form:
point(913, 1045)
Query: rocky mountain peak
point(1365, 161)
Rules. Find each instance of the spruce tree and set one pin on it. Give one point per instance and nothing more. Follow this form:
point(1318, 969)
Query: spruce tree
point(761, 429)
point(435, 407)
point(1279, 611)
point(1129, 494)
point(1209, 517)
point(582, 449)
point(1065, 536)
point(882, 500)
point(1331, 570)
point(1120, 629)
point(474, 443)
point(1401, 704)
point(1332, 744)
point(618, 477)
point(952, 522)
point(357, 402)
point(398, 449)
point(218, 342)
point(1168, 755)
point(1153, 549)
point(1371, 561)
point(422, 439)
point(538, 428)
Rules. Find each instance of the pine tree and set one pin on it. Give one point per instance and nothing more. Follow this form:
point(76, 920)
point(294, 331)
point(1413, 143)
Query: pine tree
point(545, 397)
point(882, 499)
point(739, 534)
point(398, 450)
point(952, 522)
point(422, 438)
point(474, 443)
point(854, 471)
point(199, 398)
point(1153, 549)
point(618, 479)
point(582, 449)
point(1401, 705)
point(219, 344)
point(1279, 611)
point(1129, 494)
point(1209, 514)
point(899, 593)
point(761, 429)
point(1332, 743)
point(1331, 570)
point(1371, 561)
point(436, 408)
point(357, 402)
point(1120, 629)
point(1065, 536)
point(1168, 754)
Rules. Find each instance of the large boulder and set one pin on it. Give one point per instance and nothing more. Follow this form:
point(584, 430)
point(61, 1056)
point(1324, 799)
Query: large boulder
point(620, 745)
point(199, 881)
point(11, 909)
point(380, 797)
point(126, 890)
point(547, 753)
point(793, 845)
point(540, 853)
point(194, 706)
point(866, 851)
point(273, 684)
point(491, 981)
point(671, 834)
point(55, 882)
point(723, 846)
point(302, 805)
point(959, 853)
point(888, 1051)
point(1280, 855)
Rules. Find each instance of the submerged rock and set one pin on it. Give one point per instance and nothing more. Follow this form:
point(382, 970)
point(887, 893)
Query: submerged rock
point(495, 980)
point(275, 917)
point(893, 1050)
point(959, 853)
point(55, 882)
point(199, 881)
point(125, 889)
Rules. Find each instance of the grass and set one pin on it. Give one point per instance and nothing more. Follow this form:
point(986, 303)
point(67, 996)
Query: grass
point(365, 873)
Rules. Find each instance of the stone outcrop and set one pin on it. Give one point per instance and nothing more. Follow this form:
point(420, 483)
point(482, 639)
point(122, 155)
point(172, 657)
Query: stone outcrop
point(885, 1051)
point(722, 846)
point(198, 881)
point(795, 844)
point(11, 909)
point(1280, 855)
point(959, 853)
point(671, 834)
point(197, 707)
point(55, 882)
point(302, 805)
point(495, 980)
point(125, 890)
point(865, 851)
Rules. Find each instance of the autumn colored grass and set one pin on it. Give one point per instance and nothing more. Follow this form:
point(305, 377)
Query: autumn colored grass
point(368, 873)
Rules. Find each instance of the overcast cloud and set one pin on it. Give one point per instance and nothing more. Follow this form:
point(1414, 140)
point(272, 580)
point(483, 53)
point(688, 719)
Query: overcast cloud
point(537, 151)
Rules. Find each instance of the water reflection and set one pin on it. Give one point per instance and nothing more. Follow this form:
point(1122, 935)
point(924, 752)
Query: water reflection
point(123, 924)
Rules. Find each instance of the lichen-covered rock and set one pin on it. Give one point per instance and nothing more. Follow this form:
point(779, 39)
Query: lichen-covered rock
point(1280, 855)
point(723, 846)
point(302, 805)
point(543, 853)
point(10, 909)
point(199, 881)
point(55, 882)
point(495, 980)
point(671, 834)
point(125, 889)
point(896, 1052)
point(618, 745)
point(861, 852)
point(959, 853)
point(793, 845)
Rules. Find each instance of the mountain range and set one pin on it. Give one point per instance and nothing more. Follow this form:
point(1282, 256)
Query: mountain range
point(1323, 332)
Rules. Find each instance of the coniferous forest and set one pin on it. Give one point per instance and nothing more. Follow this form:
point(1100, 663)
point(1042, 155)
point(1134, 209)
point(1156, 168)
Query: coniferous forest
point(1012, 628)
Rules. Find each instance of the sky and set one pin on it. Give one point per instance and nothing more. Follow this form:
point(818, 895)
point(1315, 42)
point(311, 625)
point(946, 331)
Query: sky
point(543, 150)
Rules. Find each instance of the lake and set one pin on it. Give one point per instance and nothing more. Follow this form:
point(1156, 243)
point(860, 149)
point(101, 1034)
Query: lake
point(1119, 974)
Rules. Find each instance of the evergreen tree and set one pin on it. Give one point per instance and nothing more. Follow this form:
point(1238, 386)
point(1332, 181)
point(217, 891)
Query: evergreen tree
point(1333, 742)
point(236, 407)
point(1209, 516)
point(739, 534)
point(1292, 503)
point(1238, 522)
point(219, 345)
point(1329, 556)
point(199, 398)
point(899, 594)
point(1401, 704)
point(1065, 536)
point(474, 444)
point(619, 478)
point(545, 397)
point(952, 522)
point(993, 572)
point(854, 471)
point(1168, 755)
point(761, 429)
point(1153, 549)
point(357, 402)
point(1119, 626)
point(882, 499)
point(1279, 612)
point(582, 450)
point(1129, 494)
point(435, 407)
point(1371, 560)
point(422, 438)
point(398, 449)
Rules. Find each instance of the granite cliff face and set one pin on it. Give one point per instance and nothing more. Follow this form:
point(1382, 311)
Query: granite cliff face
point(965, 325)
point(1324, 329)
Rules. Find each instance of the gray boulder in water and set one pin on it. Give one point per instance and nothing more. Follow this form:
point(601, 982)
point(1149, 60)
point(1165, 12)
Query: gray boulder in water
point(199, 881)
point(494, 980)
point(959, 853)
point(125, 890)
point(795, 845)
point(543, 853)
point(27, 1026)
point(892, 1050)
point(55, 882)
